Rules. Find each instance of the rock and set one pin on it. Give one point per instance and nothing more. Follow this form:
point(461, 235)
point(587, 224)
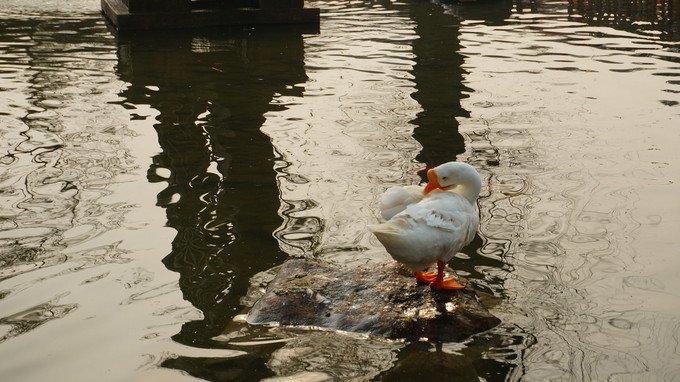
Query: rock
point(340, 356)
point(305, 376)
point(258, 285)
point(379, 300)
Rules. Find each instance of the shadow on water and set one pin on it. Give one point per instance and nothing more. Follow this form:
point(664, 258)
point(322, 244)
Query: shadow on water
point(212, 90)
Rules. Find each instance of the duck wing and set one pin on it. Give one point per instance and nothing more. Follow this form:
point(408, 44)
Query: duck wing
point(397, 199)
point(447, 212)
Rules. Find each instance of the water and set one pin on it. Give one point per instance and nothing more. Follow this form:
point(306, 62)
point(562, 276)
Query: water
point(146, 179)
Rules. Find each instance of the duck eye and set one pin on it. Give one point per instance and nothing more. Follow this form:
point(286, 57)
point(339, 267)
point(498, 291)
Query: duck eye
point(445, 177)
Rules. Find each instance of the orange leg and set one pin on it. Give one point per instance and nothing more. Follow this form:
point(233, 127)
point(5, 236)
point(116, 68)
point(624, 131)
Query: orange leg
point(444, 284)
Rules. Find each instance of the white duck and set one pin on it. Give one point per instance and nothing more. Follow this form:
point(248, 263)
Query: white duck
point(431, 224)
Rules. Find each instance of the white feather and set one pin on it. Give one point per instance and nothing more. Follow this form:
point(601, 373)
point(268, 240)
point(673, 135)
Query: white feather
point(396, 199)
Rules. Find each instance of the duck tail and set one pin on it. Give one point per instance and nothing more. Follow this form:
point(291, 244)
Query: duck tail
point(383, 228)
point(386, 232)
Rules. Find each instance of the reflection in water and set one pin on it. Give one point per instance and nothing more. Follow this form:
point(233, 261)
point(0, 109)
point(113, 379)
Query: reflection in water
point(437, 61)
point(212, 91)
point(72, 257)
point(568, 196)
point(643, 15)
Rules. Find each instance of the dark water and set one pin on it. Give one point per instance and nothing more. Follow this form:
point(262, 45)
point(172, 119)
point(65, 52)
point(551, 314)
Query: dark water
point(146, 179)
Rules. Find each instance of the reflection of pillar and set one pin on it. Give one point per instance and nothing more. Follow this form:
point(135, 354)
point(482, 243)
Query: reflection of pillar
point(438, 80)
point(438, 75)
point(222, 198)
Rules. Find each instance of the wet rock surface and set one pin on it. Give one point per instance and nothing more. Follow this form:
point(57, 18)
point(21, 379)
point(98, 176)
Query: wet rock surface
point(381, 300)
point(341, 357)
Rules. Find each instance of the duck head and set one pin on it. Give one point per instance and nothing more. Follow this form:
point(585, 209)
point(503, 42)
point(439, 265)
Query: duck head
point(451, 175)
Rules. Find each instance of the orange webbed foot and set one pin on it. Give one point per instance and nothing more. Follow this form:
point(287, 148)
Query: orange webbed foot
point(447, 284)
point(425, 277)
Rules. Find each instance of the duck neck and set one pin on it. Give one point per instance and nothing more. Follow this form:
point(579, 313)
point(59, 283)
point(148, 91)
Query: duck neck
point(470, 189)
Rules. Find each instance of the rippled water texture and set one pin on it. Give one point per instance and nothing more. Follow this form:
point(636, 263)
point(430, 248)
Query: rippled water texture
point(145, 180)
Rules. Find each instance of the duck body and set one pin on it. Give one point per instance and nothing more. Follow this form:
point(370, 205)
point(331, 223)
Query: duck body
point(430, 224)
point(435, 228)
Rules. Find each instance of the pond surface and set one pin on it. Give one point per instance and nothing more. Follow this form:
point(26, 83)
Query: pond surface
point(144, 180)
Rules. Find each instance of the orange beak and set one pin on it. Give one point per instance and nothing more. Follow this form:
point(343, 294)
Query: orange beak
point(432, 182)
